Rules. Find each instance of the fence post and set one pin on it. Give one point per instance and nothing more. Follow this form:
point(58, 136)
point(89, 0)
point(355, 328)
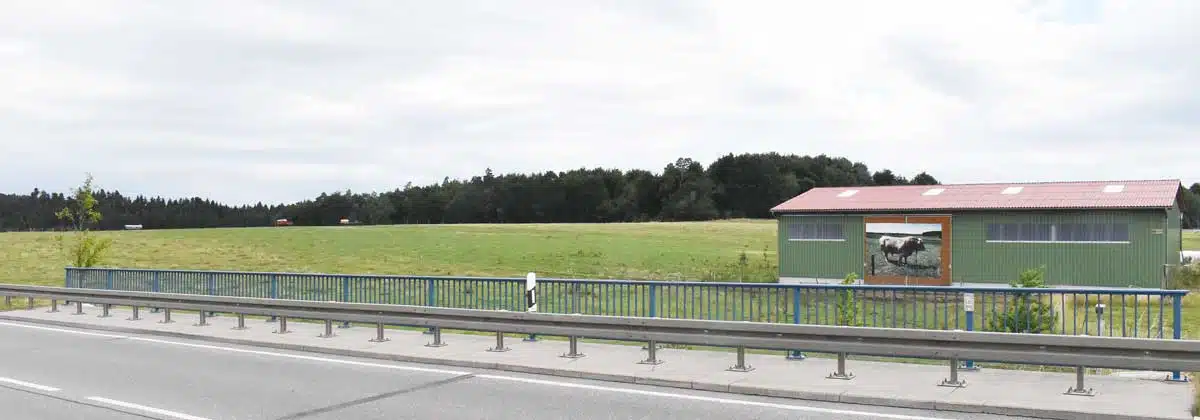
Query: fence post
point(795, 354)
point(531, 299)
point(108, 280)
point(431, 301)
point(274, 293)
point(653, 300)
point(155, 286)
point(212, 289)
point(969, 307)
point(1177, 330)
point(345, 298)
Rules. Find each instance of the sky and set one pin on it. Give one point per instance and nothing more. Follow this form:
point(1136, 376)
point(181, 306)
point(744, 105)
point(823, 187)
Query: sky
point(276, 101)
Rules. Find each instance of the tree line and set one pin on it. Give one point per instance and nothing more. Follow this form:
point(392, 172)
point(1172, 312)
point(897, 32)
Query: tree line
point(733, 186)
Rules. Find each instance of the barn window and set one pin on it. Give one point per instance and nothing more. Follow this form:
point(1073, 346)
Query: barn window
point(1061, 232)
point(815, 232)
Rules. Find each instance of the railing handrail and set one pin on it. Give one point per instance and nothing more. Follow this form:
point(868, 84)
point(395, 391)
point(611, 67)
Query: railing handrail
point(1101, 352)
point(949, 289)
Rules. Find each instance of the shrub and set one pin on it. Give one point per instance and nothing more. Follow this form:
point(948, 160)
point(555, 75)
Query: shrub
point(847, 307)
point(1184, 276)
point(1024, 312)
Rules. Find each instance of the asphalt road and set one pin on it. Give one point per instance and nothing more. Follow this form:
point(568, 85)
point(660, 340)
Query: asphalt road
point(59, 373)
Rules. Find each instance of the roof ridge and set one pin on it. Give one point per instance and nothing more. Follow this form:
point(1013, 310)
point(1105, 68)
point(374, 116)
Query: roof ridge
point(1003, 183)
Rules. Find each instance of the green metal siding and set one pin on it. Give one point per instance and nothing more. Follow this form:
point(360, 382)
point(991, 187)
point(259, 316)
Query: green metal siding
point(1137, 263)
point(821, 259)
point(1174, 235)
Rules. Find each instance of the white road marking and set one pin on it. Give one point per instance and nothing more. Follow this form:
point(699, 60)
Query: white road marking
point(715, 400)
point(140, 407)
point(29, 385)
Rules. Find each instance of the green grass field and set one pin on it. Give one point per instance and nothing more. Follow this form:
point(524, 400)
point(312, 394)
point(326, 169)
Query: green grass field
point(737, 250)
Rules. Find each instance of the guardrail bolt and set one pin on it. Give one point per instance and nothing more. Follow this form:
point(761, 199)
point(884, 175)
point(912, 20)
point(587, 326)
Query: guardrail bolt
point(1079, 389)
point(78, 308)
point(499, 344)
point(134, 316)
point(437, 338)
point(328, 329)
point(203, 320)
point(651, 354)
point(166, 316)
point(573, 349)
point(282, 326)
point(241, 322)
point(53, 305)
point(379, 338)
point(104, 310)
point(953, 381)
point(841, 369)
point(741, 361)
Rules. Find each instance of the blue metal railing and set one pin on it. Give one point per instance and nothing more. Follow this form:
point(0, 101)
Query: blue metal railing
point(1126, 312)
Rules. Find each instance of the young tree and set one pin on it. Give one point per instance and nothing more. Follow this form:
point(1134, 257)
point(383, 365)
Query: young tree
point(79, 214)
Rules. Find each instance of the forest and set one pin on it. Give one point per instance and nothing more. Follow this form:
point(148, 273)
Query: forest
point(733, 186)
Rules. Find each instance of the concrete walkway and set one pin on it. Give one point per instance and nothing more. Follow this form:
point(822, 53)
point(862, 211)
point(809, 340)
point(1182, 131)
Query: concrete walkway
point(993, 391)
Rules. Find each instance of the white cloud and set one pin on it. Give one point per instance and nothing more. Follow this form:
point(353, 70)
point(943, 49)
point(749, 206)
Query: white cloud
point(279, 100)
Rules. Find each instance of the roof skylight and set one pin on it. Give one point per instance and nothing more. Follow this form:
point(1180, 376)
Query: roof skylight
point(1114, 188)
point(847, 193)
point(933, 191)
point(1012, 190)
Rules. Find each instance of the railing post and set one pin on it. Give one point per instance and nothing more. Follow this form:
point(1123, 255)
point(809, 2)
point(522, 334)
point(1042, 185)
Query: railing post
point(155, 286)
point(431, 301)
point(104, 310)
point(212, 289)
point(573, 349)
point(437, 337)
point(379, 338)
point(953, 381)
point(282, 326)
point(328, 329)
point(53, 305)
point(203, 320)
point(134, 316)
point(652, 354)
point(166, 316)
point(345, 298)
point(969, 307)
point(274, 293)
point(241, 322)
point(653, 300)
point(795, 354)
point(78, 308)
point(499, 344)
point(30, 303)
point(1177, 331)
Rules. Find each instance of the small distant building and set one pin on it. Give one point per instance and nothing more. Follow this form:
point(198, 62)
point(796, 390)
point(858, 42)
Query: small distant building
point(133, 227)
point(1112, 234)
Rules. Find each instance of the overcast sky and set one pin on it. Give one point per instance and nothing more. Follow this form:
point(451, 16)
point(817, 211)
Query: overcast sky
point(243, 100)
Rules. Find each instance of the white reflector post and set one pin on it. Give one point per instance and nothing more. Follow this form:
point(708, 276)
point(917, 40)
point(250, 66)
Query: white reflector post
point(531, 292)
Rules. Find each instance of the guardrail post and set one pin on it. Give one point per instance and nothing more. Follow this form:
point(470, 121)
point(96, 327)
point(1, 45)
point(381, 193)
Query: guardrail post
point(166, 316)
point(104, 310)
point(241, 322)
point(379, 338)
point(1079, 389)
point(1177, 331)
point(573, 349)
point(841, 369)
point(203, 320)
point(651, 354)
point(499, 344)
point(795, 354)
point(30, 303)
point(328, 329)
point(345, 298)
point(53, 305)
point(134, 316)
point(78, 308)
point(282, 326)
point(741, 361)
point(437, 338)
point(8, 301)
point(953, 381)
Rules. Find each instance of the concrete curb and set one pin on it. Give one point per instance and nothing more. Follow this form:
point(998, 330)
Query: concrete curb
point(984, 408)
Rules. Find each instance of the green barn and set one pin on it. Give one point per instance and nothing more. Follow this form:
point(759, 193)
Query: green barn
point(1087, 234)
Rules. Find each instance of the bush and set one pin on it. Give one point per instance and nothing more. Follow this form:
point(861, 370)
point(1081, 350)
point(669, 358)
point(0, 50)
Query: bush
point(1184, 276)
point(847, 307)
point(1024, 312)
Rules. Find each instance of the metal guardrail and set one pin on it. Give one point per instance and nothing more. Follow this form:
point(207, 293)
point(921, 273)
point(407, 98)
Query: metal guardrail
point(1037, 349)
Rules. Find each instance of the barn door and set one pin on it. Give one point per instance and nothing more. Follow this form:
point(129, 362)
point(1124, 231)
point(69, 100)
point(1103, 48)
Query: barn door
point(907, 250)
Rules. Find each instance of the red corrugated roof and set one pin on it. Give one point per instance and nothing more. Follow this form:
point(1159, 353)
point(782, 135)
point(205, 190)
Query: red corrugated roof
point(1034, 195)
